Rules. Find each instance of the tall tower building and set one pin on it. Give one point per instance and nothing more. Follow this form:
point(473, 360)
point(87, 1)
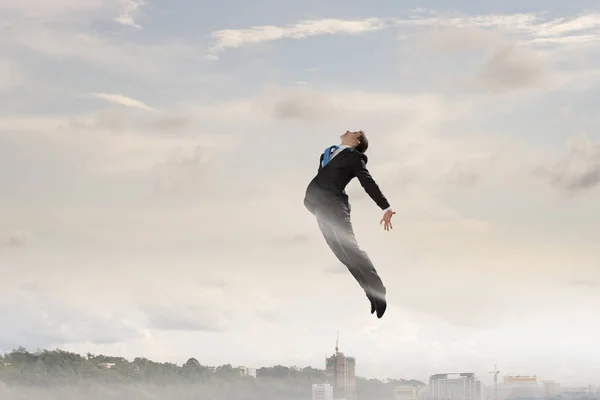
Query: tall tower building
point(340, 372)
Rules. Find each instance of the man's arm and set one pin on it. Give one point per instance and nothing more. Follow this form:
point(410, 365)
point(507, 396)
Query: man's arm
point(368, 183)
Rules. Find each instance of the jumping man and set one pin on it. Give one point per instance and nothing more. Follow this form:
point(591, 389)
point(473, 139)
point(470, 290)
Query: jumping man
point(326, 198)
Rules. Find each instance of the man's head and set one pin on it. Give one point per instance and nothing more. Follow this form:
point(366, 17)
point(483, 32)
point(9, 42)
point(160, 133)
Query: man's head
point(356, 139)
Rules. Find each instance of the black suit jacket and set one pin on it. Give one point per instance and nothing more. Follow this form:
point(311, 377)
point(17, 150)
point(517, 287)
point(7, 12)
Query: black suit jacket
point(328, 187)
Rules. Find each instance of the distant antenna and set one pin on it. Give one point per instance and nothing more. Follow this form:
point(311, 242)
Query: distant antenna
point(495, 372)
point(336, 342)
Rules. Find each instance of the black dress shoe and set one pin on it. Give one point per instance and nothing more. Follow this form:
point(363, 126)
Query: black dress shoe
point(381, 306)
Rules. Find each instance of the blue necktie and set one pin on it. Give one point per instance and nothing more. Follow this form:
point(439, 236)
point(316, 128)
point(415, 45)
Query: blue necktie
point(327, 154)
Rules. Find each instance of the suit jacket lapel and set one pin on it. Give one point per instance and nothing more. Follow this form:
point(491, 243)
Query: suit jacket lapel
point(341, 153)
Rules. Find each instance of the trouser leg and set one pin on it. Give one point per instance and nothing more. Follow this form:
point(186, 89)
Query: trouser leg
point(337, 230)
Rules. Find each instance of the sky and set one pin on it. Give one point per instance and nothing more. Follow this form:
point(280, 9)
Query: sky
point(154, 157)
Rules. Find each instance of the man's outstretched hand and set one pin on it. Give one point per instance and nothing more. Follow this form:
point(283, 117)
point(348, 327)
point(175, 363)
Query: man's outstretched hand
point(387, 220)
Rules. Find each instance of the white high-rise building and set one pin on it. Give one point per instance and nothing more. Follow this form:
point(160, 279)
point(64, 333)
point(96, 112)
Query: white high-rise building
point(462, 386)
point(322, 391)
point(340, 373)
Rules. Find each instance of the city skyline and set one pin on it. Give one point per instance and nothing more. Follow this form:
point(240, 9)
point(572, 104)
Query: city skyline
point(154, 157)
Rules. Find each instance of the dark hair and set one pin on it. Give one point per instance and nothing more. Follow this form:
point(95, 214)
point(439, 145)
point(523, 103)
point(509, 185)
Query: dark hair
point(363, 142)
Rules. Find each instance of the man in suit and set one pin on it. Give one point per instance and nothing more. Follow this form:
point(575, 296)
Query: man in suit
point(326, 198)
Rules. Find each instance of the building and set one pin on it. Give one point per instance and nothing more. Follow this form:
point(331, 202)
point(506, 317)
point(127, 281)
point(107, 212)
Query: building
point(550, 389)
point(340, 373)
point(405, 393)
point(590, 392)
point(322, 391)
point(245, 371)
point(522, 386)
point(463, 386)
point(423, 393)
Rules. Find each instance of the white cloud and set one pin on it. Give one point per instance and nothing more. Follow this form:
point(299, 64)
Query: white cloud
point(182, 172)
point(130, 8)
point(34, 318)
point(578, 170)
point(123, 100)
point(119, 56)
point(15, 239)
point(122, 11)
point(511, 67)
point(234, 38)
point(531, 27)
point(112, 142)
point(50, 8)
point(298, 103)
point(450, 39)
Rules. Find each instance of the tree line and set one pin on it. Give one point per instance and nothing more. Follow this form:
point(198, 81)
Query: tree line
point(52, 368)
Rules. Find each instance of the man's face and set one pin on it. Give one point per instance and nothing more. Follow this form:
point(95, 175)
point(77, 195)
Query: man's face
point(349, 138)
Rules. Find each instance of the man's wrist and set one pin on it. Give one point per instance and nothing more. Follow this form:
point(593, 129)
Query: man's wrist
point(388, 209)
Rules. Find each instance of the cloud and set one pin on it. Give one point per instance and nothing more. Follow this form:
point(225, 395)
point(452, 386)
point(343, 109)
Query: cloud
point(510, 67)
point(468, 170)
point(182, 172)
point(34, 318)
point(297, 103)
point(530, 27)
point(235, 38)
point(573, 26)
point(578, 170)
point(120, 56)
point(184, 318)
point(129, 9)
point(461, 32)
point(453, 39)
point(168, 123)
point(16, 239)
point(347, 105)
point(51, 9)
point(69, 151)
point(119, 143)
point(123, 100)
point(509, 62)
point(121, 11)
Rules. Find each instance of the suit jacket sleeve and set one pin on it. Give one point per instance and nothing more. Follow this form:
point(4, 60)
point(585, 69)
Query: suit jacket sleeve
point(368, 183)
